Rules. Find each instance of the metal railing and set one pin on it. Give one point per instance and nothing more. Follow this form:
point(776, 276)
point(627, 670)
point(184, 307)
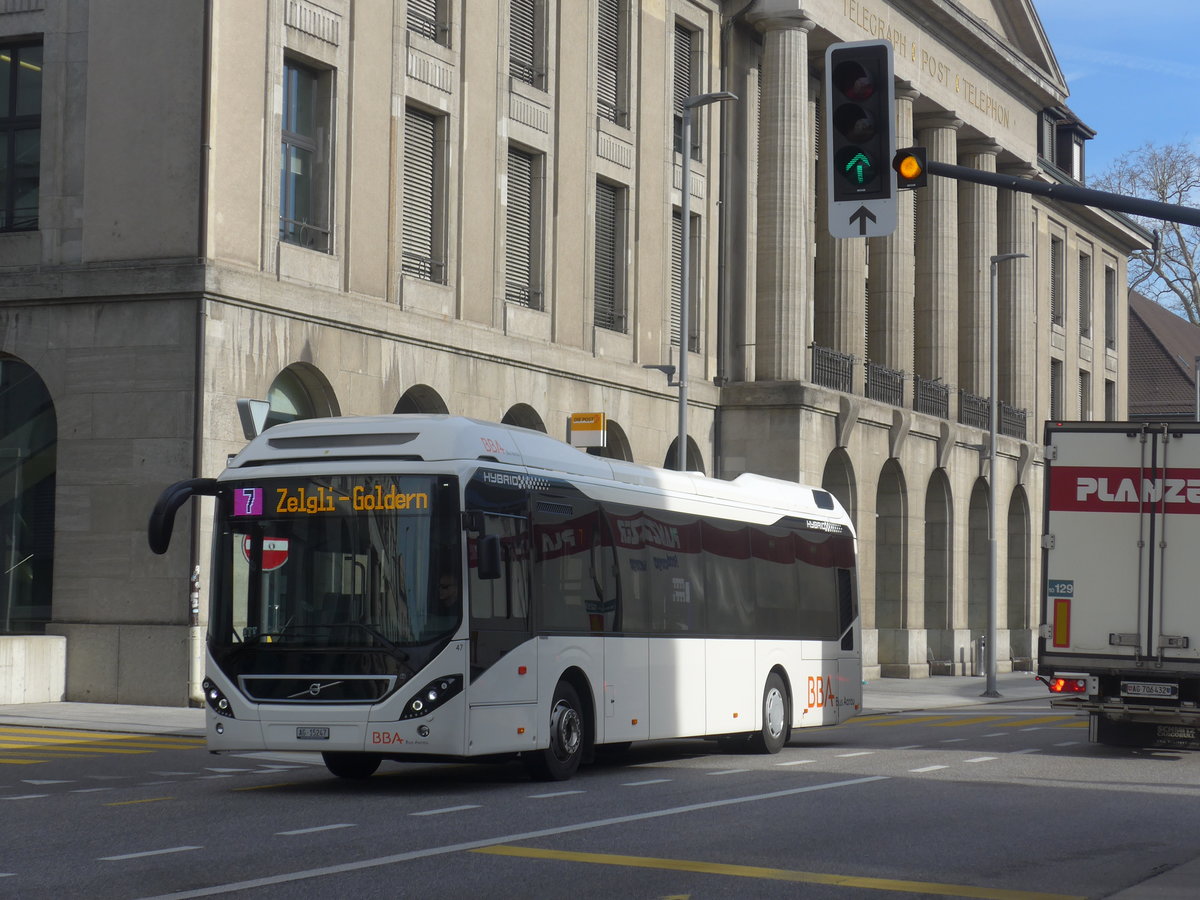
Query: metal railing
point(523, 295)
point(931, 397)
point(422, 24)
point(424, 267)
point(974, 411)
point(1014, 422)
point(832, 369)
point(884, 384)
point(304, 234)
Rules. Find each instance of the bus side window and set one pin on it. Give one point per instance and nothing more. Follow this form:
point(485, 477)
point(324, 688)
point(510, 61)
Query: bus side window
point(499, 607)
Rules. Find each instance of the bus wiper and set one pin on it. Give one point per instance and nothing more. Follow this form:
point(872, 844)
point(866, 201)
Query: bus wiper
point(375, 633)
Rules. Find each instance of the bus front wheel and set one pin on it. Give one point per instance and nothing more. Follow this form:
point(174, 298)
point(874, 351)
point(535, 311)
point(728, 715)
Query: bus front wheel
point(351, 765)
point(561, 759)
point(776, 717)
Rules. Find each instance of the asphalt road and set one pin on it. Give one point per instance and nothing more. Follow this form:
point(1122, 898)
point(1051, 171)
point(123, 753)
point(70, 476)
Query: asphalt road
point(1007, 802)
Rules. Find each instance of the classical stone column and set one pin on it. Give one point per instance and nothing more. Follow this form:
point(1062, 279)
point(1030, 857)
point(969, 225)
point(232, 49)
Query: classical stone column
point(890, 287)
point(976, 247)
point(1018, 375)
point(937, 255)
point(784, 200)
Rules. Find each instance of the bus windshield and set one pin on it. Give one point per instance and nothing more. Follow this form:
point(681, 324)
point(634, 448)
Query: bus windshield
point(339, 562)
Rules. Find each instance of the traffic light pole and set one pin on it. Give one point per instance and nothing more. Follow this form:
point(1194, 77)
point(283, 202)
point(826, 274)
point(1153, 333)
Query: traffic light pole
point(1151, 209)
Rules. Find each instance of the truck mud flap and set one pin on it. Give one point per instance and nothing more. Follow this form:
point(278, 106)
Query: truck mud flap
point(1142, 734)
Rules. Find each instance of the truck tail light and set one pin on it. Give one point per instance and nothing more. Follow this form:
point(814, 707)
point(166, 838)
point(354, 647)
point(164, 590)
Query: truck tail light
point(1067, 684)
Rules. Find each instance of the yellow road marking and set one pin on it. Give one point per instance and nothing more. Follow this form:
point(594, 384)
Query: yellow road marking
point(1041, 720)
point(20, 762)
point(907, 720)
point(850, 881)
point(975, 721)
point(52, 736)
point(266, 787)
point(132, 802)
point(6, 747)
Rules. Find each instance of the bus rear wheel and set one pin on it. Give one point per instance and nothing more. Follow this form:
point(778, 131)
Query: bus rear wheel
point(351, 765)
point(776, 717)
point(561, 759)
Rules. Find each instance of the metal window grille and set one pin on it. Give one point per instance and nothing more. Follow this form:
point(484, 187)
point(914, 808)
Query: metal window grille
point(1085, 395)
point(974, 411)
point(609, 258)
point(884, 384)
point(832, 369)
point(931, 397)
point(1056, 388)
point(425, 18)
point(419, 243)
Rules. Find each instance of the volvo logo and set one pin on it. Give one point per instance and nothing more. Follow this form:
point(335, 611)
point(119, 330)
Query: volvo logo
point(314, 689)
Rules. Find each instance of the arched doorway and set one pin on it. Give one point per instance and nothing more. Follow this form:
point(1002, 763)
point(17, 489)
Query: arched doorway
point(1018, 597)
point(695, 462)
point(891, 547)
point(300, 392)
point(524, 416)
point(979, 567)
point(616, 444)
point(939, 567)
point(28, 470)
point(421, 398)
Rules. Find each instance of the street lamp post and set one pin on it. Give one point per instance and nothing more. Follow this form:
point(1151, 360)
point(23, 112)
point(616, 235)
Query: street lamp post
point(685, 262)
point(993, 421)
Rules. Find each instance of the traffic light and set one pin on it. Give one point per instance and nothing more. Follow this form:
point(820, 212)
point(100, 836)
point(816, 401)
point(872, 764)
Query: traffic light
point(910, 168)
point(859, 121)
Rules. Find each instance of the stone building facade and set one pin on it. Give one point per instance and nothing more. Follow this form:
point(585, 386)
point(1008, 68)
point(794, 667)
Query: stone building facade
point(473, 206)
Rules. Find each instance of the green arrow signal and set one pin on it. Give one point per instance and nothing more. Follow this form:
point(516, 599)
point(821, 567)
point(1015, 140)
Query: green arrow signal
point(861, 166)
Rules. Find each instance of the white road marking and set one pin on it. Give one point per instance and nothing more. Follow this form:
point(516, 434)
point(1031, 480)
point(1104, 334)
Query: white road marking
point(951, 740)
point(1067, 744)
point(859, 753)
point(147, 853)
point(555, 794)
point(37, 782)
point(908, 747)
point(89, 790)
point(996, 734)
point(928, 769)
point(26, 797)
point(796, 762)
point(728, 771)
point(982, 759)
point(1026, 750)
point(377, 862)
point(318, 828)
point(448, 809)
point(651, 781)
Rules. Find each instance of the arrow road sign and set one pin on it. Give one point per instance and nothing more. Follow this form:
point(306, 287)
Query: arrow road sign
point(861, 215)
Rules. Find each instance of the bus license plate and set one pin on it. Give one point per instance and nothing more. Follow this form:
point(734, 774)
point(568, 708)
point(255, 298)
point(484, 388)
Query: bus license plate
point(313, 733)
point(1148, 689)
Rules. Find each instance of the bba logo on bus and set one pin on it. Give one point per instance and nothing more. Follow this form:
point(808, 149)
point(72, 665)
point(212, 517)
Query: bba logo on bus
point(1123, 490)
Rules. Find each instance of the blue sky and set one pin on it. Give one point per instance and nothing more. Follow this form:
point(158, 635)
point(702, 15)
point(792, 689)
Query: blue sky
point(1133, 69)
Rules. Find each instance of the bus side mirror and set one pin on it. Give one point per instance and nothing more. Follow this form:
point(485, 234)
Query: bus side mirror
point(162, 518)
point(489, 557)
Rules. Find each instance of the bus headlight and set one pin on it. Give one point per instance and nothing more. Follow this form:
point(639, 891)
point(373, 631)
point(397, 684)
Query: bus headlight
point(217, 701)
point(432, 695)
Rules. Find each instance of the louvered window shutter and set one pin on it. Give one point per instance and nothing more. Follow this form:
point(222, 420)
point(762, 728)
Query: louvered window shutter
point(423, 18)
point(608, 62)
point(683, 84)
point(522, 31)
point(1056, 298)
point(606, 312)
point(518, 249)
point(676, 274)
point(1085, 295)
point(418, 242)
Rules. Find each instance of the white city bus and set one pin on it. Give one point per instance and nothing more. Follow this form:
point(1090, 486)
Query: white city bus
point(434, 587)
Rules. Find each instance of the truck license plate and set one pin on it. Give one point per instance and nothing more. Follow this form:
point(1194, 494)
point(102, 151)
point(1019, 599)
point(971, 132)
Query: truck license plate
point(313, 733)
point(1148, 689)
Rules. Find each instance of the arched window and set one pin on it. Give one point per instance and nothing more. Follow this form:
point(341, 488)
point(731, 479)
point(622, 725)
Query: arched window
point(28, 465)
point(421, 398)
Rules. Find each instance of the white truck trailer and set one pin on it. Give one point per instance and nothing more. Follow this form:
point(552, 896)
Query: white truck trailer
point(1120, 638)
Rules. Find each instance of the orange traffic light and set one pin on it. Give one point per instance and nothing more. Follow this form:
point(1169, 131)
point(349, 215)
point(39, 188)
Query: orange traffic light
point(910, 168)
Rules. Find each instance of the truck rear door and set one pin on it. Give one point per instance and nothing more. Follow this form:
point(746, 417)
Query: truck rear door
point(1122, 542)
